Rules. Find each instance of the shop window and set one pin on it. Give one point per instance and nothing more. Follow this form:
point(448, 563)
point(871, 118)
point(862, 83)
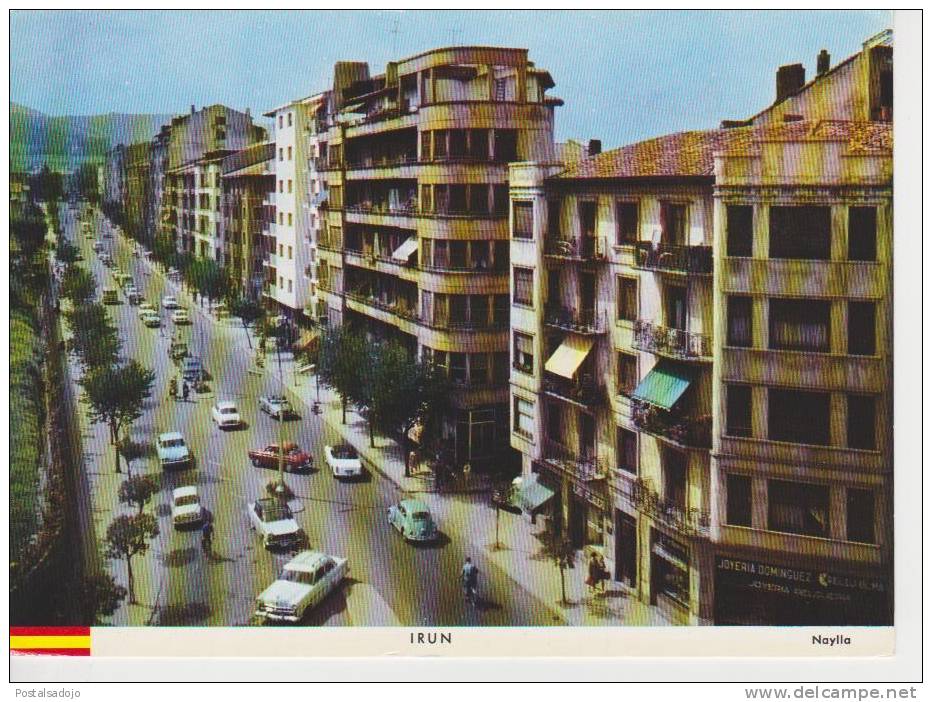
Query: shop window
point(800, 233)
point(740, 230)
point(862, 422)
point(524, 352)
point(862, 233)
point(738, 410)
point(798, 416)
point(627, 450)
point(800, 325)
point(738, 503)
point(626, 217)
point(860, 516)
point(797, 508)
point(523, 219)
point(627, 299)
point(627, 373)
point(739, 321)
point(862, 328)
point(523, 286)
point(523, 417)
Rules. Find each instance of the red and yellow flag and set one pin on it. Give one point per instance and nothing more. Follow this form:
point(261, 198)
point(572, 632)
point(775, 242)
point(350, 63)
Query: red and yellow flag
point(50, 640)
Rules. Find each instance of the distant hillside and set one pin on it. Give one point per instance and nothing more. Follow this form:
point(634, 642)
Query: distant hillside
point(65, 142)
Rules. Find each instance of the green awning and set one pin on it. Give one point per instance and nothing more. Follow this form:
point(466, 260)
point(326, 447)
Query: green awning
point(531, 495)
point(665, 384)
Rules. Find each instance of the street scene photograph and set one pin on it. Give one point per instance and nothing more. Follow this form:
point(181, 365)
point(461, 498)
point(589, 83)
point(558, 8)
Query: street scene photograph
point(449, 319)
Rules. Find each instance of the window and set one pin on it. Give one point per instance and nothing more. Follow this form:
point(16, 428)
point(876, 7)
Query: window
point(627, 450)
point(478, 369)
point(738, 500)
point(479, 144)
point(281, 249)
point(506, 145)
point(281, 121)
point(862, 233)
point(627, 299)
point(524, 219)
point(500, 367)
point(290, 219)
point(457, 143)
point(458, 367)
point(800, 232)
point(861, 516)
point(290, 185)
point(289, 153)
point(289, 285)
point(479, 199)
point(672, 224)
point(281, 186)
point(738, 410)
point(524, 352)
point(627, 373)
point(281, 282)
point(281, 152)
point(290, 252)
point(800, 325)
point(797, 508)
point(740, 225)
point(739, 321)
point(798, 416)
point(289, 119)
point(587, 212)
point(524, 286)
point(862, 328)
point(553, 218)
point(626, 216)
point(281, 218)
point(524, 417)
point(500, 199)
point(862, 422)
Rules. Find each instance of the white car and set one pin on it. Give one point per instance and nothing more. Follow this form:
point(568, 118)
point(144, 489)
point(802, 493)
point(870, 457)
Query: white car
point(180, 317)
point(151, 319)
point(343, 461)
point(275, 406)
point(226, 415)
point(305, 581)
point(274, 522)
point(169, 302)
point(186, 507)
point(172, 450)
point(147, 308)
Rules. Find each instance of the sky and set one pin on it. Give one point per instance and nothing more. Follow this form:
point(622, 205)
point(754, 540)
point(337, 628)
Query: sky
point(623, 75)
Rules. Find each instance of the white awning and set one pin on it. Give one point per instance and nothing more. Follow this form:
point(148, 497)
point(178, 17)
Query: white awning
point(406, 250)
point(569, 356)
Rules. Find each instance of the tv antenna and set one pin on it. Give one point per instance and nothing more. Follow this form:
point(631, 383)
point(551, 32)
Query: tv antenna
point(394, 32)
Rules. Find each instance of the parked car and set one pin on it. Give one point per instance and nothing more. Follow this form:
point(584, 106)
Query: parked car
point(170, 303)
point(109, 296)
point(151, 320)
point(275, 406)
point(413, 520)
point(147, 308)
point(226, 415)
point(191, 369)
point(274, 522)
point(181, 317)
point(186, 507)
point(295, 460)
point(172, 450)
point(134, 297)
point(343, 461)
point(173, 272)
point(304, 582)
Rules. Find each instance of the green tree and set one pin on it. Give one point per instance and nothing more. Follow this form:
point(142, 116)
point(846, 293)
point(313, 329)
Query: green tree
point(115, 395)
point(248, 311)
point(343, 365)
point(138, 490)
point(46, 185)
point(128, 536)
point(66, 252)
point(78, 285)
point(131, 451)
point(99, 596)
point(94, 338)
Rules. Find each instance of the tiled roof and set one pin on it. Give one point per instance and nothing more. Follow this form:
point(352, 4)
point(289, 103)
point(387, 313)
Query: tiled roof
point(691, 154)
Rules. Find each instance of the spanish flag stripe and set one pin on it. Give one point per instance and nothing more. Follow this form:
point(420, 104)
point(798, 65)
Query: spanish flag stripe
point(51, 652)
point(50, 631)
point(50, 642)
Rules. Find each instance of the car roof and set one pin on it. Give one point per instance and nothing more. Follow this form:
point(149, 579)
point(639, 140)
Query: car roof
point(171, 435)
point(184, 491)
point(306, 561)
point(226, 403)
point(415, 505)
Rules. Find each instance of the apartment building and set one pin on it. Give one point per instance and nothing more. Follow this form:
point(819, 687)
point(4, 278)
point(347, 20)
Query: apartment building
point(702, 365)
point(247, 178)
point(413, 241)
point(136, 192)
point(158, 161)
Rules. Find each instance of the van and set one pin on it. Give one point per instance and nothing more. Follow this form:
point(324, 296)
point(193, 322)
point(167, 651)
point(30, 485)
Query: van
point(110, 296)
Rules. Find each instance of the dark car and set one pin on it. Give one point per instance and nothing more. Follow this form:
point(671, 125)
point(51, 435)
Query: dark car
point(295, 460)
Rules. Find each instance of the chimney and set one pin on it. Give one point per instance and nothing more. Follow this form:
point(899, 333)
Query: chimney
point(823, 62)
point(789, 79)
point(192, 109)
point(595, 147)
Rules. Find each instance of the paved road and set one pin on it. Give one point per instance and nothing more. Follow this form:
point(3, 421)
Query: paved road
point(390, 582)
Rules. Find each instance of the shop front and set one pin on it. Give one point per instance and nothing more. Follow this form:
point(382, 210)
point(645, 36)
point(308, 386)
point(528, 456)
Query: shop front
point(578, 504)
point(669, 576)
point(757, 593)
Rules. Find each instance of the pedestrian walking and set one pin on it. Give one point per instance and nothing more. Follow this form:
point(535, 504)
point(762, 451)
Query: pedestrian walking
point(185, 390)
point(595, 573)
point(470, 576)
point(207, 535)
point(603, 572)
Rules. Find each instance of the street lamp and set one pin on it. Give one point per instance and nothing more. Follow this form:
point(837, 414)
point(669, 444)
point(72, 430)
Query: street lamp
point(280, 489)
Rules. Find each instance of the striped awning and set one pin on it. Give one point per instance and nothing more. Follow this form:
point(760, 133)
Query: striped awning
point(569, 356)
point(665, 384)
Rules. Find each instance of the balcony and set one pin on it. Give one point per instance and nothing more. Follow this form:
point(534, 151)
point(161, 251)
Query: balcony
point(326, 285)
point(686, 432)
point(695, 260)
point(584, 249)
point(408, 209)
point(688, 521)
point(442, 322)
point(396, 307)
point(585, 393)
point(585, 321)
point(667, 341)
point(381, 162)
point(568, 461)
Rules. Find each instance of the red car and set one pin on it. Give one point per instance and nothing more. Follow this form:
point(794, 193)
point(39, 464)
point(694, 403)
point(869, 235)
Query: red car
point(296, 460)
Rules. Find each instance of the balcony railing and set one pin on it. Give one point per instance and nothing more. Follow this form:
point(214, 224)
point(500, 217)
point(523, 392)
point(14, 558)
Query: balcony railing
point(439, 322)
point(582, 466)
point(394, 306)
point(585, 392)
point(585, 321)
point(668, 341)
point(586, 248)
point(381, 162)
point(408, 209)
point(688, 521)
point(681, 430)
point(671, 257)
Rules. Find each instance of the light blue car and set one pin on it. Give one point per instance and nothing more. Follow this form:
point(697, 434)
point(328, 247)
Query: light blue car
point(172, 451)
point(413, 521)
